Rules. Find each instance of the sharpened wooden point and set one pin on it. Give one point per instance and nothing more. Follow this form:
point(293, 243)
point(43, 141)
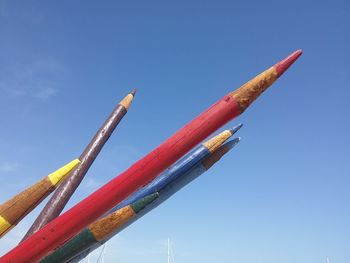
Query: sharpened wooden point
point(216, 155)
point(250, 91)
point(236, 129)
point(219, 139)
point(126, 102)
point(67, 187)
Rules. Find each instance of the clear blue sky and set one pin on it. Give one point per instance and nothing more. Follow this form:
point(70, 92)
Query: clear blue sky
point(281, 196)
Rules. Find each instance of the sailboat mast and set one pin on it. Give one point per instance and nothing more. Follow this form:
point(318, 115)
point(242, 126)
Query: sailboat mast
point(103, 253)
point(168, 250)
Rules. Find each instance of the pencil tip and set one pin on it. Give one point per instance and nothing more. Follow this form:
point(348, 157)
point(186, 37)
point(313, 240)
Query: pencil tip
point(126, 102)
point(283, 65)
point(232, 143)
point(133, 92)
point(250, 91)
point(235, 129)
point(221, 151)
point(215, 142)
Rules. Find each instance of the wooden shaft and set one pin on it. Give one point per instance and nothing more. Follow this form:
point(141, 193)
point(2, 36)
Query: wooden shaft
point(99, 231)
point(58, 231)
point(180, 167)
point(103, 228)
point(64, 192)
point(165, 192)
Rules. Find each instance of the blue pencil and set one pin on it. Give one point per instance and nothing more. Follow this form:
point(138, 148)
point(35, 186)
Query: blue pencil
point(173, 179)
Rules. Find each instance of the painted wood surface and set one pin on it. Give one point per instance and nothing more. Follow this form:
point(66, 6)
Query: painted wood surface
point(167, 191)
point(98, 231)
point(64, 192)
point(177, 170)
point(58, 231)
point(250, 91)
point(171, 174)
point(15, 209)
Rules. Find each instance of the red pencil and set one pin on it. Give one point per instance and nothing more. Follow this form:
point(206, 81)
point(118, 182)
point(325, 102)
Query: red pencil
point(146, 169)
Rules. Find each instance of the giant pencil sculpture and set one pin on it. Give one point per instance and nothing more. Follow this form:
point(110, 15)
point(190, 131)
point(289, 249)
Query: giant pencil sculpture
point(13, 210)
point(166, 192)
point(63, 228)
point(181, 167)
point(63, 193)
point(100, 230)
point(166, 184)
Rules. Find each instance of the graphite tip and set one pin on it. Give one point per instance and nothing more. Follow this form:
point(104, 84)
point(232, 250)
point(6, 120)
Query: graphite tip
point(284, 64)
point(133, 92)
point(229, 145)
point(232, 143)
point(235, 129)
